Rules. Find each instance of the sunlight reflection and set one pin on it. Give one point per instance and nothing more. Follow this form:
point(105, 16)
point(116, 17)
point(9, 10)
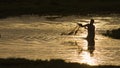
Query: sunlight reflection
point(84, 56)
point(88, 59)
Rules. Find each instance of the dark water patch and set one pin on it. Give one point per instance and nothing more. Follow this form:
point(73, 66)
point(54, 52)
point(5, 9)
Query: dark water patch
point(53, 63)
point(70, 43)
point(52, 18)
point(115, 33)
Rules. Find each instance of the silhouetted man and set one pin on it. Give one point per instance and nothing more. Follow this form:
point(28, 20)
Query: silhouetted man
point(91, 35)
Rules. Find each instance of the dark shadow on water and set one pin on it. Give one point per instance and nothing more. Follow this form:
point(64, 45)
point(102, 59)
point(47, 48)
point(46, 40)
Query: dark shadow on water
point(90, 48)
point(115, 33)
point(53, 63)
point(70, 43)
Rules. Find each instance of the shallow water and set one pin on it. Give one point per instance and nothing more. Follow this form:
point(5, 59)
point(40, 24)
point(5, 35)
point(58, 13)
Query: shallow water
point(35, 37)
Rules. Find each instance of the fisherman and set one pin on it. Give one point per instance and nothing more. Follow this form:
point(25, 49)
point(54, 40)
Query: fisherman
point(91, 34)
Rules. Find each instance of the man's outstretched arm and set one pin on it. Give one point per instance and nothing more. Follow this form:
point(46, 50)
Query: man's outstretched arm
point(82, 25)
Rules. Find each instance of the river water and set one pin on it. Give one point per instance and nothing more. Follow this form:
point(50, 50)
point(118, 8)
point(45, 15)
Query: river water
point(39, 37)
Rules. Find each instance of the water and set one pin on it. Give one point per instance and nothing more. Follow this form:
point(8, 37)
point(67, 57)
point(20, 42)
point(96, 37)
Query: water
point(35, 37)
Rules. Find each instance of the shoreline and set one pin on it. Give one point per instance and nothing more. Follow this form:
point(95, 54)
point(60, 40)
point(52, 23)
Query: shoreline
point(53, 63)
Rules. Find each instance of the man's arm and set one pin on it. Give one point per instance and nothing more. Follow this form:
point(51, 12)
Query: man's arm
point(82, 25)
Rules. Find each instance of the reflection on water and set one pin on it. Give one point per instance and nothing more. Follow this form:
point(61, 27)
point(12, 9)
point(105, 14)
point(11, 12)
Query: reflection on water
point(86, 55)
point(88, 59)
point(39, 38)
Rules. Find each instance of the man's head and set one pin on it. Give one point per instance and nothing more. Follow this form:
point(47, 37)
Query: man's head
point(91, 21)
